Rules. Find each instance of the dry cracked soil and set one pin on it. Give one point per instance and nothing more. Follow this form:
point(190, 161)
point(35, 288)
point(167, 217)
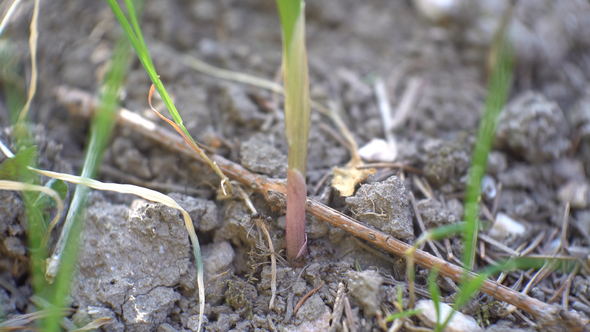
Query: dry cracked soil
point(135, 259)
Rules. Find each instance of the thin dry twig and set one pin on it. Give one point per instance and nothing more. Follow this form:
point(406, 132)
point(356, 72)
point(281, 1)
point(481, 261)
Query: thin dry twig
point(349, 315)
point(547, 315)
point(306, 296)
point(385, 111)
point(338, 308)
point(409, 99)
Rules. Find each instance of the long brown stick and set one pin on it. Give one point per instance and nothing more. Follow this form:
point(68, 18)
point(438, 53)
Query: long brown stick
point(549, 317)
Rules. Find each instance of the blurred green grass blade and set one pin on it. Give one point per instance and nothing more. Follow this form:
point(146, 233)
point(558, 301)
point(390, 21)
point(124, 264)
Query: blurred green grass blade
point(289, 11)
point(16, 167)
point(102, 125)
point(136, 39)
point(133, 32)
point(470, 286)
point(435, 294)
point(406, 313)
point(60, 187)
point(499, 87)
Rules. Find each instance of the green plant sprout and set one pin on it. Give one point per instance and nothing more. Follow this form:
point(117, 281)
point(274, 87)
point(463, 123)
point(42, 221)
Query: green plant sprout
point(499, 87)
point(133, 32)
point(297, 118)
point(400, 306)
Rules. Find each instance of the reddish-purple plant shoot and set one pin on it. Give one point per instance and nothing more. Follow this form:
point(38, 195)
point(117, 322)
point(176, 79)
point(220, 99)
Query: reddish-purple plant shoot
point(296, 193)
point(297, 117)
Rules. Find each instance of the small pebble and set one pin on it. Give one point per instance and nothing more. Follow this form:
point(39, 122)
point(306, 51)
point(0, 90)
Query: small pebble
point(488, 187)
point(505, 226)
point(377, 150)
point(459, 323)
point(574, 192)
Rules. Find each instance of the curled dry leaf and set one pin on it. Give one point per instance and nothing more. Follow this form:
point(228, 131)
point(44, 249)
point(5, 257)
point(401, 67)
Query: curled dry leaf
point(346, 178)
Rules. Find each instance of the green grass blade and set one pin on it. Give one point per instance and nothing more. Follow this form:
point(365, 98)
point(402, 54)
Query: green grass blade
point(435, 294)
point(499, 87)
point(407, 313)
point(133, 32)
point(65, 255)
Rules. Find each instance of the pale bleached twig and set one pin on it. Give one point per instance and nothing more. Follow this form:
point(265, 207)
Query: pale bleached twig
point(33, 46)
point(8, 15)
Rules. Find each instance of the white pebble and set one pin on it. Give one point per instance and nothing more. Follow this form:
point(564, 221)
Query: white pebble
point(488, 187)
point(437, 10)
point(377, 150)
point(459, 323)
point(574, 192)
point(504, 226)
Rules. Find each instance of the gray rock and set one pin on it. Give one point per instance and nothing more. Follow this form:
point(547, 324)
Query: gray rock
point(239, 109)
point(238, 227)
point(517, 203)
point(533, 128)
point(505, 325)
point(7, 305)
point(447, 163)
point(259, 155)
point(385, 206)
point(312, 309)
point(202, 212)
point(10, 208)
point(433, 214)
point(14, 246)
point(579, 120)
point(455, 207)
point(364, 287)
point(217, 258)
point(128, 158)
point(132, 262)
point(95, 313)
point(497, 162)
point(145, 312)
point(168, 328)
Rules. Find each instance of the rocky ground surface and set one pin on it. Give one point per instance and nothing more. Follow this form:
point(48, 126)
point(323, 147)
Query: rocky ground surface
point(135, 258)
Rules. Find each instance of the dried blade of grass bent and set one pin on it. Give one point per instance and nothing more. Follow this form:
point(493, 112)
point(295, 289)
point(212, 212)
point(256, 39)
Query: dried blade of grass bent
point(33, 46)
point(20, 186)
point(133, 32)
point(80, 103)
point(8, 15)
point(192, 144)
point(153, 196)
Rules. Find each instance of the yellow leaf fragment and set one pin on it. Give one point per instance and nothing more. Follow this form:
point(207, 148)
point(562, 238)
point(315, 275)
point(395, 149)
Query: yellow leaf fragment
point(345, 179)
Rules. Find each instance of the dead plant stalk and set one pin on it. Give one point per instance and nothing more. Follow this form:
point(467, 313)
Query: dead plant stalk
point(551, 317)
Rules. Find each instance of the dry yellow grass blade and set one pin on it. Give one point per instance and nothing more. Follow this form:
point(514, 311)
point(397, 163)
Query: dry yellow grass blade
point(150, 195)
point(20, 186)
point(33, 47)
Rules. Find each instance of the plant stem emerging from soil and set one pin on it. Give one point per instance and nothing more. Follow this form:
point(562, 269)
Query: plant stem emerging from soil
point(297, 117)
